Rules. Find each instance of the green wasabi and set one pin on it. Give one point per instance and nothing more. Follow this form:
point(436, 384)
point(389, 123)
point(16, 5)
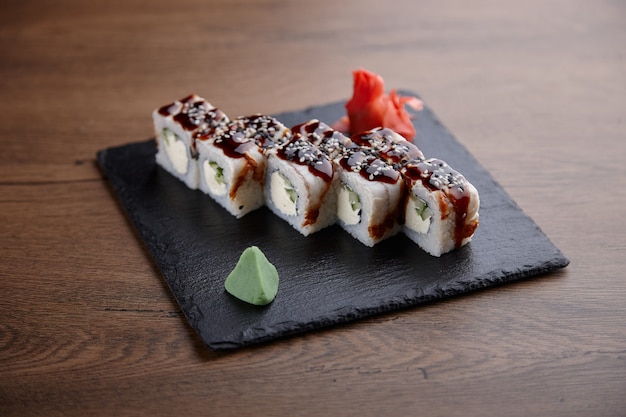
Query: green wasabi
point(254, 279)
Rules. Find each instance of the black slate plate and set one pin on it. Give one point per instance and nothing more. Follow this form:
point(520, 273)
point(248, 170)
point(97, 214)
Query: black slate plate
point(327, 278)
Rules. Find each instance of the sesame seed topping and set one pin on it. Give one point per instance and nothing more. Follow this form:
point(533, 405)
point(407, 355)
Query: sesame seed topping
point(436, 174)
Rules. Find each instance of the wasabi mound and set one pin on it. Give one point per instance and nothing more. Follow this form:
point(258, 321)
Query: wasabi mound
point(254, 279)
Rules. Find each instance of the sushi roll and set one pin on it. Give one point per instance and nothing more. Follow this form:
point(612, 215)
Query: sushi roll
point(175, 126)
point(232, 161)
point(300, 186)
point(441, 208)
point(231, 170)
point(388, 145)
point(369, 197)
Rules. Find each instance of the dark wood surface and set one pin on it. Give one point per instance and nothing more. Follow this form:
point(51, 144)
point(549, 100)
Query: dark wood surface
point(536, 90)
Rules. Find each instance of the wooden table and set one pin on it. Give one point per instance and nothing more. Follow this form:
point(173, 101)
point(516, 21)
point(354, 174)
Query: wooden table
point(536, 90)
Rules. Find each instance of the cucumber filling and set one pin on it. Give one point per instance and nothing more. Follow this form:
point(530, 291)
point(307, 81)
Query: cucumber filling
point(214, 177)
point(283, 194)
point(348, 205)
point(418, 214)
point(176, 151)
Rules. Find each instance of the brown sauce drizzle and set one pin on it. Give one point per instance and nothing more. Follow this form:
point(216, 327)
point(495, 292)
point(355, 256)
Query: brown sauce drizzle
point(257, 174)
point(170, 109)
point(436, 175)
point(313, 211)
point(198, 114)
point(388, 145)
point(312, 215)
point(266, 131)
point(311, 129)
point(336, 143)
point(370, 167)
point(193, 112)
point(377, 231)
point(303, 152)
point(328, 140)
point(234, 145)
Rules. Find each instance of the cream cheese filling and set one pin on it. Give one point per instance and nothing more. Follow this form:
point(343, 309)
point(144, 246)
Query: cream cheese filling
point(176, 151)
point(348, 205)
point(417, 215)
point(283, 194)
point(214, 177)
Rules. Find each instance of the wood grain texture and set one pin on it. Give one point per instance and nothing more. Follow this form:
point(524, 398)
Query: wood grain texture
point(534, 89)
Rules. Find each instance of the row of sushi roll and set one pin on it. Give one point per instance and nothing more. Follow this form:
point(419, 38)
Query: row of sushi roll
point(373, 184)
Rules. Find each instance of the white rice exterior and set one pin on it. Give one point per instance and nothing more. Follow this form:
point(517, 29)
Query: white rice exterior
point(379, 204)
point(440, 237)
point(243, 178)
point(313, 193)
point(186, 172)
